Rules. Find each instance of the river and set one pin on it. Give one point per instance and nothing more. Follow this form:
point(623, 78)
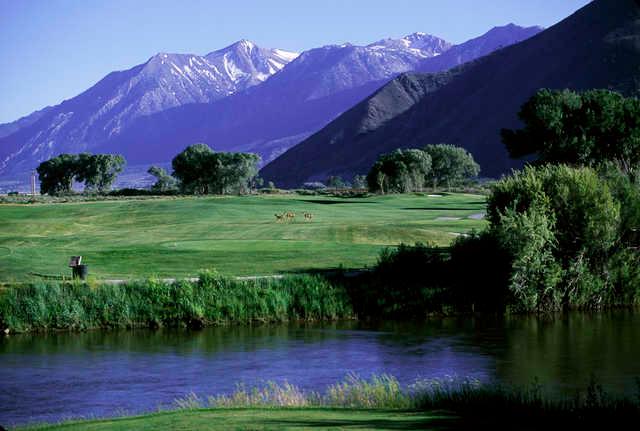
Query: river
point(49, 377)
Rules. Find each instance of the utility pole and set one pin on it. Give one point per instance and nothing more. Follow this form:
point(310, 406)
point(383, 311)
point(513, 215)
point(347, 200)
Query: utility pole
point(33, 183)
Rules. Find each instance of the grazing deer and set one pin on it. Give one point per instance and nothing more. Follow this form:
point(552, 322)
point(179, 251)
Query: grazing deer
point(308, 216)
point(291, 215)
point(279, 217)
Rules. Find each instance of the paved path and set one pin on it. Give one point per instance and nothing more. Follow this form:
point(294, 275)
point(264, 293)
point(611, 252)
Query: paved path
point(194, 279)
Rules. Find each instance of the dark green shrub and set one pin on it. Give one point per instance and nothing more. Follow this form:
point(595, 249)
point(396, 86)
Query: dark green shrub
point(407, 282)
point(560, 226)
point(478, 273)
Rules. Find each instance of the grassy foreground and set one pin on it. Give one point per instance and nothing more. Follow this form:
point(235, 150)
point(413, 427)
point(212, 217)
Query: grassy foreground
point(267, 419)
point(177, 237)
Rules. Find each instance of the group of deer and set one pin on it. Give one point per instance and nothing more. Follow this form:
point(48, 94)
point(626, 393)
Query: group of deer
point(290, 216)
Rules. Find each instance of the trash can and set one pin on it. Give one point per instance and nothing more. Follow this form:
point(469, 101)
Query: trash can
point(81, 272)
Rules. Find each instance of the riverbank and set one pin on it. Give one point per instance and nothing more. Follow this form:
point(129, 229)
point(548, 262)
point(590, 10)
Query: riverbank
point(380, 403)
point(211, 299)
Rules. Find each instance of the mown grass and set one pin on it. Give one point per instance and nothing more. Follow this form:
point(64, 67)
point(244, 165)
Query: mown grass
point(265, 419)
point(382, 403)
point(177, 237)
point(211, 300)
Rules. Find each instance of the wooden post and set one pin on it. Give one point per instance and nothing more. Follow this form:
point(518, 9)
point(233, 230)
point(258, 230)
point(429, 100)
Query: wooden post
point(33, 183)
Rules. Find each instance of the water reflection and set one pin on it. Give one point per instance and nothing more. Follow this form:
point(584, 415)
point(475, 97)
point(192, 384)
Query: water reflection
point(48, 377)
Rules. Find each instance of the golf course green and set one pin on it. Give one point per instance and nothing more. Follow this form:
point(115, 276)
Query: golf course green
point(235, 235)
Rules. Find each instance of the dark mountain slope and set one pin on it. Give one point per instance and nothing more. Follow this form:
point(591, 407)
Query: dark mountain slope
point(496, 38)
point(388, 103)
point(597, 47)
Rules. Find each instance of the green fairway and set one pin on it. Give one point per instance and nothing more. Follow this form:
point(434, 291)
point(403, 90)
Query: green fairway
point(268, 419)
point(235, 235)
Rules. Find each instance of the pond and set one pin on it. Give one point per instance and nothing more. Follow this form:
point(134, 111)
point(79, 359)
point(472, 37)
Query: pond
point(56, 376)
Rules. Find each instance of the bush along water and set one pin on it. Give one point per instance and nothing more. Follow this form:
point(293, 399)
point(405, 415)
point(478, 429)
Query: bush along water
point(525, 407)
point(211, 300)
point(558, 238)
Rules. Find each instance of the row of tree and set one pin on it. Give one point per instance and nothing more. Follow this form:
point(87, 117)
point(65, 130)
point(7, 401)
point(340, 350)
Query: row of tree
point(579, 129)
point(96, 171)
point(404, 171)
point(196, 170)
point(200, 170)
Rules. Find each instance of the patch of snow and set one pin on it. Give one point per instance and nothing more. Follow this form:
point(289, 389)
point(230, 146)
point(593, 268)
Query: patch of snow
point(247, 44)
point(177, 69)
point(232, 70)
point(274, 65)
point(286, 55)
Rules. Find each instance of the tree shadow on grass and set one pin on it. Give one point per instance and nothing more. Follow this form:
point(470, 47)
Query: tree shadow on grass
point(439, 423)
point(327, 202)
point(476, 208)
point(327, 271)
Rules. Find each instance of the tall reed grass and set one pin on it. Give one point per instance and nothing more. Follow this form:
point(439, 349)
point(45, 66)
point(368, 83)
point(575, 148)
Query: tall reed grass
point(212, 300)
point(519, 407)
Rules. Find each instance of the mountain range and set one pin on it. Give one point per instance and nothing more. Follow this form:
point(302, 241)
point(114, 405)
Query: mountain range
point(163, 82)
point(596, 47)
point(240, 98)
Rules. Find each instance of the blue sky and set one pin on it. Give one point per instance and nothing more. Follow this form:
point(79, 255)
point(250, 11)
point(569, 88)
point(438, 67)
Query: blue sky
point(52, 50)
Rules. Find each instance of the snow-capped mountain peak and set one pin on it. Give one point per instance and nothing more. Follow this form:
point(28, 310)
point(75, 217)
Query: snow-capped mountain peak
point(247, 64)
point(165, 81)
point(422, 44)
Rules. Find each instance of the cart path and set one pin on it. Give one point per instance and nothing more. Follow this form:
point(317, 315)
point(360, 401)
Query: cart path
point(194, 279)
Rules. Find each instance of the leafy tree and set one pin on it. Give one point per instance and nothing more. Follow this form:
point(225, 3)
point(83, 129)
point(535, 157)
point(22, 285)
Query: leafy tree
point(233, 172)
point(401, 171)
point(360, 182)
point(583, 129)
point(528, 239)
point(257, 182)
point(164, 181)
point(98, 171)
point(57, 174)
point(193, 168)
point(561, 228)
point(450, 165)
point(201, 170)
point(626, 191)
point(335, 182)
